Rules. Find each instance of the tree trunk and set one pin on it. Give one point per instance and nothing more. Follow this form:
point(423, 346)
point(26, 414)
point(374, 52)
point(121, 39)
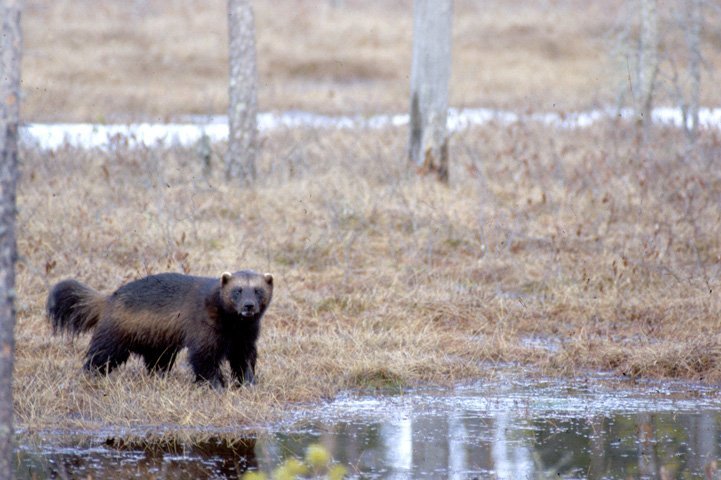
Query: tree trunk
point(693, 38)
point(243, 104)
point(648, 60)
point(430, 74)
point(10, 50)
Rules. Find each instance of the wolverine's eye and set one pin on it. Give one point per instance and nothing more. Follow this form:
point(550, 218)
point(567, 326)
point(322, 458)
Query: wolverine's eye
point(258, 292)
point(237, 292)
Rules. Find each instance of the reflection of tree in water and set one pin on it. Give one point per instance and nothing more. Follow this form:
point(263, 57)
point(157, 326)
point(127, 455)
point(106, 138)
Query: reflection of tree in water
point(119, 459)
point(562, 446)
point(703, 439)
point(644, 445)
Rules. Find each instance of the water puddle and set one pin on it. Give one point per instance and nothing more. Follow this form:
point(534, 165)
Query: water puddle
point(507, 429)
point(188, 131)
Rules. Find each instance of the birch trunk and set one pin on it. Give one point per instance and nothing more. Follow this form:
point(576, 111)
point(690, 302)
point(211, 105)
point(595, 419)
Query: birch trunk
point(648, 59)
point(693, 38)
point(10, 50)
point(430, 74)
point(243, 101)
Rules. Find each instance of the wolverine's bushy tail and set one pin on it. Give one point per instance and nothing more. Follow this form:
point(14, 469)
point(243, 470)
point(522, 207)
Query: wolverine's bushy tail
point(73, 307)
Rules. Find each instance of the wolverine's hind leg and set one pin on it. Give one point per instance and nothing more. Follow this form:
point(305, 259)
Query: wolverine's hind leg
point(160, 361)
point(107, 350)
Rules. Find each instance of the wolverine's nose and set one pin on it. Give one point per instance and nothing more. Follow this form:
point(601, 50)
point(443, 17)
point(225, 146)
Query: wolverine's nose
point(248, 308)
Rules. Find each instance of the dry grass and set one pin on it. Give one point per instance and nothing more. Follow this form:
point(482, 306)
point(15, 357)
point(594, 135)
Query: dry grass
point(103, 60)
point(604, 250)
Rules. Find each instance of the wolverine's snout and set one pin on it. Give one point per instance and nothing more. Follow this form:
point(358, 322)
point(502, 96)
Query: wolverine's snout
point(248, 309)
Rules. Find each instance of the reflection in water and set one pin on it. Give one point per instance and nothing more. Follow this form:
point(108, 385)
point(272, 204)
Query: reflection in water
point(510, 456)
point(506, 431)
point(456, 445)
point(398, 442)
point(214, 458)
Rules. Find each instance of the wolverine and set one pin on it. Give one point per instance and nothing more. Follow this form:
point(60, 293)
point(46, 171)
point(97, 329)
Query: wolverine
point(155, 317)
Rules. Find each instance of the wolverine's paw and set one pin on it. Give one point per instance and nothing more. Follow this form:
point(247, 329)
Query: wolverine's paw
point(216, 383)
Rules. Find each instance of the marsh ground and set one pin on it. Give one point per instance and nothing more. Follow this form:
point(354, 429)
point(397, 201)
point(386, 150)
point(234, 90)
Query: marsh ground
point(557, 250)
point(561, 250)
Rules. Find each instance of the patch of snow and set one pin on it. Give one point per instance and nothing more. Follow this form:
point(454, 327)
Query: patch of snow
point(52, 136)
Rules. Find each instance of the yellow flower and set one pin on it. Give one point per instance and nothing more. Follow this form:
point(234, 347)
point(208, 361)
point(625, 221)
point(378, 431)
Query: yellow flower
point(317, 456)
point(283, 473)
point(296, 467)
point(337, 472)
point(250, 475)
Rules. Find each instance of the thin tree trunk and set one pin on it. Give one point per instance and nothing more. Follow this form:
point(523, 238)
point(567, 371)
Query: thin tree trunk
point(243, 104)
point(430, 74)
point(693, 38)
point(648, 60)
point(10, 51)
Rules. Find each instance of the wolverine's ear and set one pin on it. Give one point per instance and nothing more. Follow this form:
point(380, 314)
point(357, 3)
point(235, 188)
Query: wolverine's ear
point(268, 278)
point(225, 278)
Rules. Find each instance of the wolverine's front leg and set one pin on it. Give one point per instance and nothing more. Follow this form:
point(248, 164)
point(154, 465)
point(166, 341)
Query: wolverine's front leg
point(206, 366)
point(242, 364)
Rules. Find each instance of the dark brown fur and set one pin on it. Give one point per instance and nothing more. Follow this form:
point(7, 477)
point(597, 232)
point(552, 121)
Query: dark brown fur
point(157, 316)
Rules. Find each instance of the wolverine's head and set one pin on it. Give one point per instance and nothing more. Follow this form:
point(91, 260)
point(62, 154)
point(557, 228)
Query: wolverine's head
point(246, 293)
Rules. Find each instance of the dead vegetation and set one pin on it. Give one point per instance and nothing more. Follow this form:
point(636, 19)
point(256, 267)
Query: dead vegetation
point(107, 61)
point(552, 249)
